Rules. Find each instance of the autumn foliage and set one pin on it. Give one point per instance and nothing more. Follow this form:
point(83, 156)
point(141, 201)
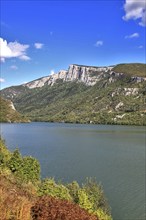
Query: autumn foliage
point(49, 208)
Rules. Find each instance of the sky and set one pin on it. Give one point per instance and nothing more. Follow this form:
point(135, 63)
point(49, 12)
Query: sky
point(39, 38)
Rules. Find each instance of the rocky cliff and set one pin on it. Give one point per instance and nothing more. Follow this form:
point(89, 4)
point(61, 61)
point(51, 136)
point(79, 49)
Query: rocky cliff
point(86, 74)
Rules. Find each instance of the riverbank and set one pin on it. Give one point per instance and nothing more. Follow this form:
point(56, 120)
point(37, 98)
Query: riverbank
point(25, 196)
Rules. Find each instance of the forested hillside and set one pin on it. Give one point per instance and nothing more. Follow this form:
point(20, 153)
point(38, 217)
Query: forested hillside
point(113, 95)
point(8, 112)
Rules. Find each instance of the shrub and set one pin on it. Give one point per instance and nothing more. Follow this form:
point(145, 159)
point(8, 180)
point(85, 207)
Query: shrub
point(4, 153)
point(49, 187)
point(27, 169)
point(83, 201)
point(73, 190)
point(15, 162)
point(47, 208)
point(96, 195)
point(90, 197)
point(15, 201)
point(31, 169)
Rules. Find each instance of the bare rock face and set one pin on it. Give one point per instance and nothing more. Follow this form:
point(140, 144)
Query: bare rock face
point(12, 105)
point(37, 83)
point(86, 74)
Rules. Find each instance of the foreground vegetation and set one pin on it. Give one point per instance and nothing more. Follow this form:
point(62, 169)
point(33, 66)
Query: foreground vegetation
point(24, 196)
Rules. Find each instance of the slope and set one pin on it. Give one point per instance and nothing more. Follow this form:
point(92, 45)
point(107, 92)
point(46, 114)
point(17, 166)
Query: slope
point(8, 112)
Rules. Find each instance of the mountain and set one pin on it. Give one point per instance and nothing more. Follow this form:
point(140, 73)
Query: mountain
point(84, 94)
point(85, 74)
point(8, 112)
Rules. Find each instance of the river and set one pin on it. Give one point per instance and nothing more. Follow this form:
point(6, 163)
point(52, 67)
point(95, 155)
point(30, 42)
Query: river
point(114, 154)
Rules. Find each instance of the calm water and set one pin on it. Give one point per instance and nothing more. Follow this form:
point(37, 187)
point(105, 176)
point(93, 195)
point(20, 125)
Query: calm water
point(115, 155)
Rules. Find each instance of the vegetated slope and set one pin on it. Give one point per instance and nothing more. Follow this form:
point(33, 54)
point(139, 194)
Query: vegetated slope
point(120, 102)
point(118, 97)
point(51, 209)
point(8, 112)
point(131, 69)
point(24, 196)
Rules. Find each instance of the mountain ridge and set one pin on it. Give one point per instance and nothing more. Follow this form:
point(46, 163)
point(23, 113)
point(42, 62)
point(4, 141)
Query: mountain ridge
point(85, 95)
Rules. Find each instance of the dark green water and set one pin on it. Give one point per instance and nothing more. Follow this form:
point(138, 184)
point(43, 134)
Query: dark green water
point(115, 155)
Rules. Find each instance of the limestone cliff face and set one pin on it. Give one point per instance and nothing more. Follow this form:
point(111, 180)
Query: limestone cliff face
point(12, 106)
point(86, 74)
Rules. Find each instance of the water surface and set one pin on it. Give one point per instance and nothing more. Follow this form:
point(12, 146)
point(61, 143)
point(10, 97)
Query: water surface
point(115, 155)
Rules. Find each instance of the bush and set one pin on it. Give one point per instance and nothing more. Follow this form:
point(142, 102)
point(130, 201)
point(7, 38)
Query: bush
point(96, 195)
point(49, 187)
point(84, 201)
point(27, 169)
point(90, 197)
point(31, 169)
point(15, 162)
point(73, 190)
point(4, 153)
point(47, 208)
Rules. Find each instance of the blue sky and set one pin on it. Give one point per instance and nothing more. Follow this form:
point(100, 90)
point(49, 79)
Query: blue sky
point(43, 37)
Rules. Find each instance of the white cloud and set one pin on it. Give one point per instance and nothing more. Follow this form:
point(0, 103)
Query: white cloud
point(38, 45)
point(12, 49)
point(13, 67)
point(135, 9)
point(52, 72)
point(140, 47)
point(2, 60)
point(99, 43)
point(2, 80)
point(134, 35)
point(24, 57)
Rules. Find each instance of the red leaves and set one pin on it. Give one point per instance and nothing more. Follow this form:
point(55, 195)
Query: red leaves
point(48, 208)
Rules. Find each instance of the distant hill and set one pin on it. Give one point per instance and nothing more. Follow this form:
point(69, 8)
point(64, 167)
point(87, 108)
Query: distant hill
point(131, 69)
point(8, 112)
point(83, 94)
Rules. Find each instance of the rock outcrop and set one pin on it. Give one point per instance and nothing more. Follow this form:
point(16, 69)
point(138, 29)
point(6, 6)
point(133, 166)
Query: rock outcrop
point(86, 74)
point(12, 106)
